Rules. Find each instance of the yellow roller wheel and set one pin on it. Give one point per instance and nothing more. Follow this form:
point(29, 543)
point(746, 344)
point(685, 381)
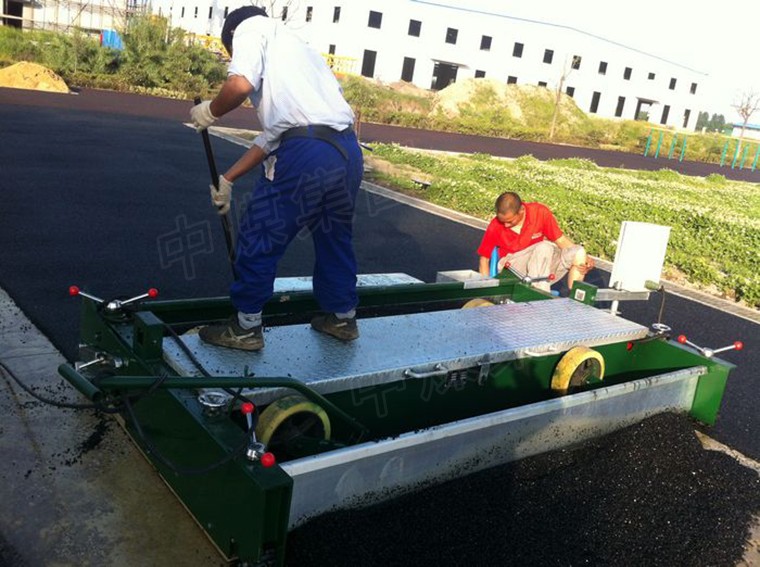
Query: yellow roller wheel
point(477, 302)
point(578, 367)
point(291, 417)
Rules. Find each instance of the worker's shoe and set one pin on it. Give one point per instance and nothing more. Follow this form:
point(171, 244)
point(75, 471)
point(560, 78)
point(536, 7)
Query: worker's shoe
point(343, 329)
point(232, 335)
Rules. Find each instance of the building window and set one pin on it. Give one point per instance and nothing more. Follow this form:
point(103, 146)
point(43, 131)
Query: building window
point(595, 102)
point(375, 19)
point(576, 64)
point(485, 43)
point(672, 86)
point(548, 56)
point(651, 76)
point(542, 84)
point(284, 13)
point(627, 73)
point(570, 91)
point(686, 114)
point(665, 112)
point(414, 28)
point(195, 12)
point(309, 13)
point(182, 13)
point(407, 71)
point(511, 80)
point(331, 49)
point(336, 14)
point(368, 63)
point(621, 104)
point(602, 67)
point(517, 50)
point(693, 89)
point(451, 35)
point(480, 74)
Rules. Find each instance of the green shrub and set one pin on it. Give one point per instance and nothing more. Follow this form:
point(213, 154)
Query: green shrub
point(716, 179)
point(155, 59)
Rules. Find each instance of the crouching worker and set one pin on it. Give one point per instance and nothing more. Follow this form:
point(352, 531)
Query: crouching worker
point(312, 169)
point(530, 240)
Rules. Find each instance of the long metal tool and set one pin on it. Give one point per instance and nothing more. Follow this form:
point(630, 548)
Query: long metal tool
point(215, 182)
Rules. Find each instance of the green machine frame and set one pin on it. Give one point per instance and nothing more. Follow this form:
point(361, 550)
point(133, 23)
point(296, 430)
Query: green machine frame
point(243, 505)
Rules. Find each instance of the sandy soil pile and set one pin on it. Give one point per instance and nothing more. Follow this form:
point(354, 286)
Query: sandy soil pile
point(518, 100)
point(25, 75)
point(462, 92)
point(409, 88)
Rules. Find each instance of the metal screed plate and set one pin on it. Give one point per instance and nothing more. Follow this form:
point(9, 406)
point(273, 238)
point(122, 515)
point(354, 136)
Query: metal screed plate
point(388, 346)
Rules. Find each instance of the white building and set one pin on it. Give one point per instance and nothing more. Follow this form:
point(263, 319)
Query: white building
point(92, 16)
point(751, 131)
point(432, 44)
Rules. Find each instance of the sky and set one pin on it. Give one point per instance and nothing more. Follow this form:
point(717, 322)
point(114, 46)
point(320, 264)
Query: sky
point(718, 38)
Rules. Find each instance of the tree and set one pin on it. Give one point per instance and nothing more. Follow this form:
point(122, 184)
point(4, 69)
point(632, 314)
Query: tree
point(703, 121)
point(717, 123)
point(563, 77)
point(746, 105)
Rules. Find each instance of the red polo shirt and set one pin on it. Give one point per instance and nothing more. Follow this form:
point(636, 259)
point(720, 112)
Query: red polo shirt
point(539, 223)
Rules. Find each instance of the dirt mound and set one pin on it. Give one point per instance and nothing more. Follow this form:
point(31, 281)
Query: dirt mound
point(409, 88)
point(524, 103)
point(25, 75)
point(468, 90)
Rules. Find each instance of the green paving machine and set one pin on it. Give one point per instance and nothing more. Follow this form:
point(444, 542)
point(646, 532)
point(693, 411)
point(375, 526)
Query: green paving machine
point(446, 379)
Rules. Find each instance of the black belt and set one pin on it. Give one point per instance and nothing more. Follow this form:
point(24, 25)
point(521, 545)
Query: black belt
point(318, 132)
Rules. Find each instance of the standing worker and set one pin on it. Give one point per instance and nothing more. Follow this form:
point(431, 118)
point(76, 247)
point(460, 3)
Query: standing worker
point(312, 169)
point(530, 240)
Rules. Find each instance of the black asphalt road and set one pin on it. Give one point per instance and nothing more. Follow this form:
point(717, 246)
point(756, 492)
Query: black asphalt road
point(109, 192)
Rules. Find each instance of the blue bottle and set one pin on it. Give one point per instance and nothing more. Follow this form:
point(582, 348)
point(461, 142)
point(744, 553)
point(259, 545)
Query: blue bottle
point(494, 261)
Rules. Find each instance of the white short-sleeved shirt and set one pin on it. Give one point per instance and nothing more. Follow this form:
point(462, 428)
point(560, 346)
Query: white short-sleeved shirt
point(292, 84)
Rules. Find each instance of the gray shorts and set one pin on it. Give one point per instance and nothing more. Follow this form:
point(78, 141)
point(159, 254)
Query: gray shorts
point(542, 259)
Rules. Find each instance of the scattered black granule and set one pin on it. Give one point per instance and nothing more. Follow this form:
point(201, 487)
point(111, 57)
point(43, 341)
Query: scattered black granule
point(96, 437)
point(646, 495)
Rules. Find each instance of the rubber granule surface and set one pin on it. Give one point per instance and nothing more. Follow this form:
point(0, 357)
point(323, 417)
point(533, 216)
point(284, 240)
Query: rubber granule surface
point(647, 495)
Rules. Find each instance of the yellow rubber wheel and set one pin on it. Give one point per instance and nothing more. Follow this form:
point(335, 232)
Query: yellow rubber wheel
point(477, 302)
point(290, 417)
point(578, 367)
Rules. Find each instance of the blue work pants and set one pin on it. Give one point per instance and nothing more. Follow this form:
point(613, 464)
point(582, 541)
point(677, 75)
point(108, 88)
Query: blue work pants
point(314, 186)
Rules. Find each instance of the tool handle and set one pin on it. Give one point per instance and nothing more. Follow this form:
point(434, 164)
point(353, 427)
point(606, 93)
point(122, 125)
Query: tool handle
point(209, 152)
point(226, 227)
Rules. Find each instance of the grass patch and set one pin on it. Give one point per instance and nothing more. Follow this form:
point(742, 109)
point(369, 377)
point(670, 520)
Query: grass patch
point(715, 234)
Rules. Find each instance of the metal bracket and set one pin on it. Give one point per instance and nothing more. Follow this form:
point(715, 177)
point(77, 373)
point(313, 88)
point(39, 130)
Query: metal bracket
point(485, 370)
point(438, 370)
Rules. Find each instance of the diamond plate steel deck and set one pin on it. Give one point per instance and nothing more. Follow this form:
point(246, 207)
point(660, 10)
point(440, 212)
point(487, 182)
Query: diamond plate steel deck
point(389, 346)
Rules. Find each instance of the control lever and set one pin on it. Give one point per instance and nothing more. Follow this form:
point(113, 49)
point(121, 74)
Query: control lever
point(256, 451)
point(115, 304)
point(525, 278)
point(100, 358)
point(709, 352)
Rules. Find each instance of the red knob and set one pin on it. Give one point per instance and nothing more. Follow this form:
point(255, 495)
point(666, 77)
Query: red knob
point(153, 293)
point(246, 407)
point(681, 339)
point(629, 346)
point(738, 345)
point(507, 265)
point(551, 277)
point(267, 460)
point(73, 291)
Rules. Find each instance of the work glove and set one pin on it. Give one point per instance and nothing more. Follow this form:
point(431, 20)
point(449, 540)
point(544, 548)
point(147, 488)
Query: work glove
point(201, 117)
point(221, 198)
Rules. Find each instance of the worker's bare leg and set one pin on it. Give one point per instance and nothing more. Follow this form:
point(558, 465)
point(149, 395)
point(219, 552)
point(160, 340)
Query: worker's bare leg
point(576, 273)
